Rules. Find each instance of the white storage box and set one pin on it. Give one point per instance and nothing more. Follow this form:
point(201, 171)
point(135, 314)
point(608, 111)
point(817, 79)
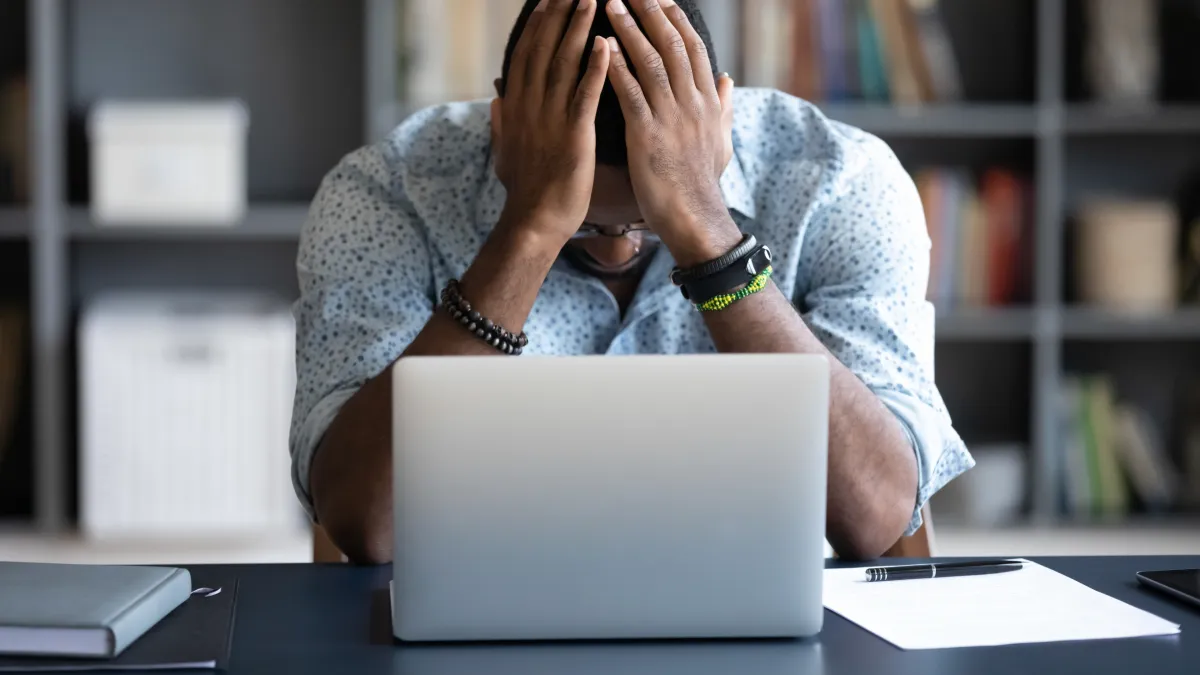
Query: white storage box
point(185, 406)
point(167, 163)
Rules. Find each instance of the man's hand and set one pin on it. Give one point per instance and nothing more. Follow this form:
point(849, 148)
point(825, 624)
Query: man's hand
point(544, 125)
point(678, 121)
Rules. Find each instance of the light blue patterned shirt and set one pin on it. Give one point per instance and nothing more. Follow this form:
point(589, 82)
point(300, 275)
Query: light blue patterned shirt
point(394, 221)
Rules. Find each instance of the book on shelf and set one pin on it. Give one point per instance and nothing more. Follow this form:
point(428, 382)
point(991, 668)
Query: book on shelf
point(833, 55)
point(1111, 453)
point(897, 51)
point(14, 140)
point(806, 79)
point(936, 52)
point(872, 66)
point(981, 235)
point(12, 366)
point(772, 45)
point(451, 50)
point(1141, 452)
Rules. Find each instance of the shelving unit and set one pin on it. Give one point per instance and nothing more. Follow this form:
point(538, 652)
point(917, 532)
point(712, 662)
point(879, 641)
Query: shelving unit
point(987, 325)
point(940, 121)
point(263, 222)
point(323, 83)
point(1165, 120)
point(302, 70)
point(1094, 325)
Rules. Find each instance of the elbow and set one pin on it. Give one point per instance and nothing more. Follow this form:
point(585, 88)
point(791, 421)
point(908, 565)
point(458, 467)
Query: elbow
point(364, 541)
point(356, 513)
point(871, 537)
point(865, 547)
point(372, 551)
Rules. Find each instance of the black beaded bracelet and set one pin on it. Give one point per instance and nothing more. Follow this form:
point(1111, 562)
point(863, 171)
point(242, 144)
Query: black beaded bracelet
point(485, 329)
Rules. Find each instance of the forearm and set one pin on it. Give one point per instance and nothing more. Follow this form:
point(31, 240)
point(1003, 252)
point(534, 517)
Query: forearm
point(351, 475)
point(872, 466)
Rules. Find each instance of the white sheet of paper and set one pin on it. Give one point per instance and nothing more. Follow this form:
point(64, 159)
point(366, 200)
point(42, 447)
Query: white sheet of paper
point(1033, 604)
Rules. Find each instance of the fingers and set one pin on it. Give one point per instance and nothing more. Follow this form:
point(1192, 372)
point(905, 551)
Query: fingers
point(514, 87)
point(565, 68)
point(587, 94)
point(545, 44)
point(725, 94)
point(655, 80)
point(629, 92)
point(697, 51)
point(667, 40)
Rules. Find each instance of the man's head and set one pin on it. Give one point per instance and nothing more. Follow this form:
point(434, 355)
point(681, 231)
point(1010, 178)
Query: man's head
point(610, 123)
point(614, 207)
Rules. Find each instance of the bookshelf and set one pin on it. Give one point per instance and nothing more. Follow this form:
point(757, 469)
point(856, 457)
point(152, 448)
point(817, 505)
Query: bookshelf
point(320, 79)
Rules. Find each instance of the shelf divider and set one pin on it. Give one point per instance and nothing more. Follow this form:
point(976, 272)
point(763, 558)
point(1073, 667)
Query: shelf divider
point(263, 222)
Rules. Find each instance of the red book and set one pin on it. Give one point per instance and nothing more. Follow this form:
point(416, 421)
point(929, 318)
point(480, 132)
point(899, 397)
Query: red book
point(806, 51)
point(1001, 196)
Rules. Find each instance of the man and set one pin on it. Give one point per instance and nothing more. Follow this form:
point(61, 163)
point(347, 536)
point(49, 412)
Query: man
point(562, 207)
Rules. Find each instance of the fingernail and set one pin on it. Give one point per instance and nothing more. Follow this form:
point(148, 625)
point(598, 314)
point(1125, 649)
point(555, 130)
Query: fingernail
point(618, 8)
point(613, 45)
point(584, 5)
point(599, 44)
point(666, 3)
point(541, 6)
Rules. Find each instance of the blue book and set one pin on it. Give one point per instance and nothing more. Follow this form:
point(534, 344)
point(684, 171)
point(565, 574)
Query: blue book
point(832, 41)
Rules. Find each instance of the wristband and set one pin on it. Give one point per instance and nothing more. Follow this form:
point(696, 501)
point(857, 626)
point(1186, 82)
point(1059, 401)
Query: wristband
point(722, 301)
point(729, 279)
point(682, 276)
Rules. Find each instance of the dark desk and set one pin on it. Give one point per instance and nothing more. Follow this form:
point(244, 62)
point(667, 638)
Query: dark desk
point(299, 619)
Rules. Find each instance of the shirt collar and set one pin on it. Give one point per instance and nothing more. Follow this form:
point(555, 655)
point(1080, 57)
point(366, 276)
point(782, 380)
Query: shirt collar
point(734, 188)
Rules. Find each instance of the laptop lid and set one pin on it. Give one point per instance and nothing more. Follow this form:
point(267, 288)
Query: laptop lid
point(609, 497)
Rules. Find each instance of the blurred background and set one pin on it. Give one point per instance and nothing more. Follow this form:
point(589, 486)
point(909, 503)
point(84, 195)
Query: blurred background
point(157, 158)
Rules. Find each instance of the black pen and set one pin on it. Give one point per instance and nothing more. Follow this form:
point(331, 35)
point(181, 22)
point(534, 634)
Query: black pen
point(936, 570)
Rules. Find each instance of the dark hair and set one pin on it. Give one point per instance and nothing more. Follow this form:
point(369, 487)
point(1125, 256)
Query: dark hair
point(610, 123)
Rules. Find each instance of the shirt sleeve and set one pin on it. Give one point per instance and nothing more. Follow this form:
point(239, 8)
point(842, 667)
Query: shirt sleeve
point(868, 269)
point(365, 293)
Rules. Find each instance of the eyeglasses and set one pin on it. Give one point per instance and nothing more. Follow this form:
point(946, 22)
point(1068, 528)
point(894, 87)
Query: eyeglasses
point(590, 230)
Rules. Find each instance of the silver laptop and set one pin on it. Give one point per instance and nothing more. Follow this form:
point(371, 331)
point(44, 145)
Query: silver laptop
point(609, 497)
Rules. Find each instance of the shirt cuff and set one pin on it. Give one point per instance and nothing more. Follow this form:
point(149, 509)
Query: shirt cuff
point(941, 455)
point(308, 436)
